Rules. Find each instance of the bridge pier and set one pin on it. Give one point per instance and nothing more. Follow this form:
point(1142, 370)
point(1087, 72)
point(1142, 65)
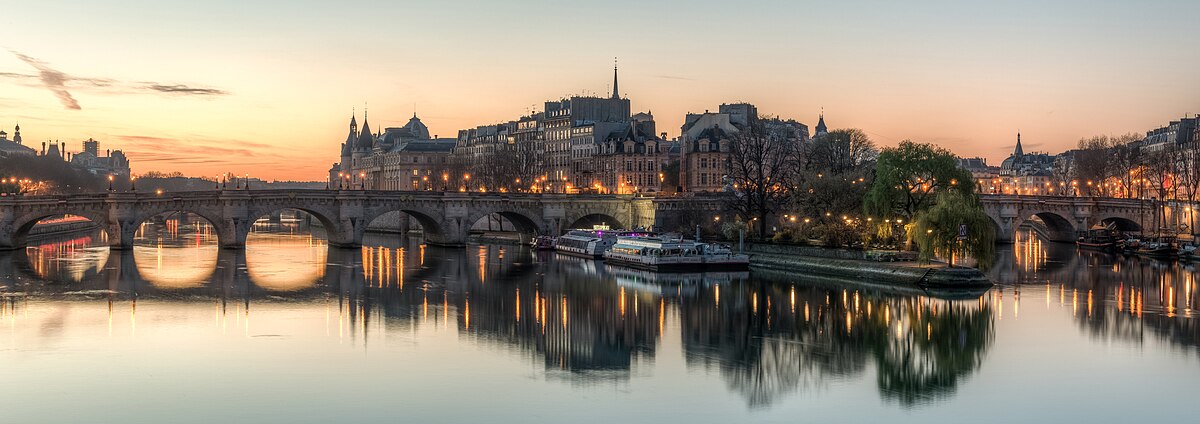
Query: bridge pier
point(121, 234)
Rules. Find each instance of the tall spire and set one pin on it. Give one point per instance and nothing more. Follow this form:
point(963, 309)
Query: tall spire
point(615, 94)
point(17, 135)
point(821, 128)
point(1018, 151)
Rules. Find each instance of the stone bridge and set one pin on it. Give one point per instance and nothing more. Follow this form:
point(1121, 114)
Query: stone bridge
point(1065, 216)
point(445, 218)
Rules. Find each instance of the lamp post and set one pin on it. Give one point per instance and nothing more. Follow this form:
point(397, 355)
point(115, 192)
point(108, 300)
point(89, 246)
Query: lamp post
point(110, 182)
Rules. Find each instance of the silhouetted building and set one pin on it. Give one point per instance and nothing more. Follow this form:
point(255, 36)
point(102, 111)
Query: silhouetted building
point(112, 163)
point(10, 147)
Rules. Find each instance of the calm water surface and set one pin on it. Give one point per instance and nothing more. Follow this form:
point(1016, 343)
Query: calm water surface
point(290, 330)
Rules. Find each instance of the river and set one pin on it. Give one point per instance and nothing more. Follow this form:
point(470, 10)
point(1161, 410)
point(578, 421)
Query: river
point(290, 330)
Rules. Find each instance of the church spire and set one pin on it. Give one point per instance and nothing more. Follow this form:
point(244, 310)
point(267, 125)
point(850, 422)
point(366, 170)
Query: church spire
point(17, 135)
point(1018, 151)
point(821, 128)
point(615, 94)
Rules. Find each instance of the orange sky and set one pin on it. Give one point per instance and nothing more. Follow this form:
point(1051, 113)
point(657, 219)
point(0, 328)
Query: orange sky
point(267, 88)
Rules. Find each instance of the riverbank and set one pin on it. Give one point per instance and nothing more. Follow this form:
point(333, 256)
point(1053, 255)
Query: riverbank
point(857, 267)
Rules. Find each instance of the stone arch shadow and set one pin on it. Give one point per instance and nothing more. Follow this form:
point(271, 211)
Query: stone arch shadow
point(1055, 227)
point(240, 231)
point(214, 220)
point(23, 225)
point(1123, 224)
point(526, 224)
point(587, 220)
point(431, 227)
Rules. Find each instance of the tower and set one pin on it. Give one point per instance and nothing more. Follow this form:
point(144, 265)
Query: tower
point(92, 146)
point(348, 145)
point(17, 135)
point(615, 93)
point(1018, 152)
point(821, 128)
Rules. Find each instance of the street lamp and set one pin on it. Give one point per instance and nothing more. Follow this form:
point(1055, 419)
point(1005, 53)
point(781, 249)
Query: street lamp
point(110, 182)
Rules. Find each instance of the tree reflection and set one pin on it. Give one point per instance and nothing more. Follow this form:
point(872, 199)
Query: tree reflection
point(770, 339)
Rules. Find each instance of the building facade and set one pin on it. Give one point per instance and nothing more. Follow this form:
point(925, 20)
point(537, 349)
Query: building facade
point(113, 162)
point(401, 158)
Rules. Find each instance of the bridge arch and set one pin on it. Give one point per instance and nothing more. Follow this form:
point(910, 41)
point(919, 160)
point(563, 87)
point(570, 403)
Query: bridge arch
point(213, 218)
point(1056, 227)
point(587, 220)
point(526, 223)
point(431, 221)
point(1123, 224)
point(24, 224)
point(239, 230)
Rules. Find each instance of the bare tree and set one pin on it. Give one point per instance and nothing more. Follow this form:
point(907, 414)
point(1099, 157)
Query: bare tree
point(1188, 175)
point(840, 151)
point(762, 166)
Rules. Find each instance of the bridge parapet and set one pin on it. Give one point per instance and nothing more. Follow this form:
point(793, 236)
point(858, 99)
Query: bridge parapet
point(345, 214)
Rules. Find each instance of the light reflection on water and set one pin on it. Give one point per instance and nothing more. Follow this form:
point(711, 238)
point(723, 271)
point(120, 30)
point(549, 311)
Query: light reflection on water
point(531, 336)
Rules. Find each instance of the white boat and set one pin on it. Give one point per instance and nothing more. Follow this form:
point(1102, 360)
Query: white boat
point(666, 253)
point(585, 243)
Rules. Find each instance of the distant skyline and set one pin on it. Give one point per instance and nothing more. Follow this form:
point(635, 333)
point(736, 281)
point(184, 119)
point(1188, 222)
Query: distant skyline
point(267, 87)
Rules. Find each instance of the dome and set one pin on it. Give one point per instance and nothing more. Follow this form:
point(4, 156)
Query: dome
point(417, 128)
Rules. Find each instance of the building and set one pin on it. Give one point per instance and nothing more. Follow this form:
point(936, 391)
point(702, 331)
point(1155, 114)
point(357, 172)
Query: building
point(112, 163)
point(987, 178)
point(567, 146)
point(631, 159)
point(398, 158)
point(14, 146)
point(1021, 163)
point(706, 142)
point(1175, 133)
point(821, 129)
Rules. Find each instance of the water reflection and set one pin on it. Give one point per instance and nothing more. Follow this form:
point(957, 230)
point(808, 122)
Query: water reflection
point(1112, 297)
point(179, 252)
point(763, 338)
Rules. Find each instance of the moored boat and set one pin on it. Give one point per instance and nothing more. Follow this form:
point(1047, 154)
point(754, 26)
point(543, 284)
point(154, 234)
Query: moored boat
point(1163, 247)
point(673, 254)
point(542, 243)
point(1100, 237)
point(584, 243)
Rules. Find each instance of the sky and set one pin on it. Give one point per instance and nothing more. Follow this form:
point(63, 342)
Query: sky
point(267, 87)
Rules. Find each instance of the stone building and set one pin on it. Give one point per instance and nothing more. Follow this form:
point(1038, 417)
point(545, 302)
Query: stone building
point(399, 158)
point(706, 142)
point(632, 159)
point(113, 162)
point(1175, 133)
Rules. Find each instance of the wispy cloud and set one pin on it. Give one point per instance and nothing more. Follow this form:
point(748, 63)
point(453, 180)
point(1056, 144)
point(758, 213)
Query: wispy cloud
point(53, 80)
point(59, 82)
point(183, 89)
point(675, 77)
point(193, 149)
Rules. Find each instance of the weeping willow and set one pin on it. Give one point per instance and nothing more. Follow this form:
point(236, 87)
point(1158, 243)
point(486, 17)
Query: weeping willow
point(936, 230)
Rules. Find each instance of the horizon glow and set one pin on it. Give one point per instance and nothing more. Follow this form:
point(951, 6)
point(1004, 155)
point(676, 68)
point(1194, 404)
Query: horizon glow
point(267, 88)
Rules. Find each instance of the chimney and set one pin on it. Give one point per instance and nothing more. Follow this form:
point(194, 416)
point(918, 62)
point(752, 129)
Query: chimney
point(43, 148)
